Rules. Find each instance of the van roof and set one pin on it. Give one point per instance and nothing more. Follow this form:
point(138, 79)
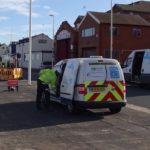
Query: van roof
point(141, 50)
point(93, 58)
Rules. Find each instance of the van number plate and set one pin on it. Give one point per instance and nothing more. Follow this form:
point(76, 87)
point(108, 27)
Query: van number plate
point(96, 89)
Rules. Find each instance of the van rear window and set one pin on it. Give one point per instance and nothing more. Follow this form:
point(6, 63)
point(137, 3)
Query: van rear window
point(95, 71)
point(100, 71)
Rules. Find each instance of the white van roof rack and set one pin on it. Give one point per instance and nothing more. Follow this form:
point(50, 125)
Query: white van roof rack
point(96, 56)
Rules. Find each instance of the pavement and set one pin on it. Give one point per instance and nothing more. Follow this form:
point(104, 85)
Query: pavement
point(22, 127)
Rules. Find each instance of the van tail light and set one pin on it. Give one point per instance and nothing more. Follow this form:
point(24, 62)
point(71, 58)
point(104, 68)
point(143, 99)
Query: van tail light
point(124, 85)
point(82, 89)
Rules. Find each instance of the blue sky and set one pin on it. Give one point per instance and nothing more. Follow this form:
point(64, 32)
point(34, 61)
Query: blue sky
point(14, 15)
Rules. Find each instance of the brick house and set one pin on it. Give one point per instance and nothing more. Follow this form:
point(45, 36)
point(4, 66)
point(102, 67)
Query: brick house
point(66, 41)
point(91, 34)
point(141, 8)
point(129, 32)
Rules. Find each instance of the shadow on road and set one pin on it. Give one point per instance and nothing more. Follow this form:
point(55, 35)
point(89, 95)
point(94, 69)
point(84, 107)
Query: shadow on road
point(23, 115)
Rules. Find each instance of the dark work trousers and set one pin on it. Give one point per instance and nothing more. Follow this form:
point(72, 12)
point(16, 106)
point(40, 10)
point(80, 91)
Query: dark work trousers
point(40, 89)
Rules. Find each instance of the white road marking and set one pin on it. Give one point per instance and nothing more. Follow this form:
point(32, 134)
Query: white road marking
point(138, 108)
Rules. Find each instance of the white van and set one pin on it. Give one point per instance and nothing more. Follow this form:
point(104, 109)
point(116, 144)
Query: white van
point(137, 67)
point(91, 83)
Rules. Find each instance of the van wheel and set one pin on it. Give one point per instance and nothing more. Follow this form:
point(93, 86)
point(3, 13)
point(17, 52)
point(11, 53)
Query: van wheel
point(115, 110)
point(71, 108)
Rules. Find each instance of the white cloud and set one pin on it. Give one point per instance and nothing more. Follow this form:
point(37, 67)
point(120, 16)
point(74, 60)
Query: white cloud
point(47, 7)
point(3, 18)
point(49, 10)
point(4, 33)
point(6, 36)
point(37, 28)
point(20, 6)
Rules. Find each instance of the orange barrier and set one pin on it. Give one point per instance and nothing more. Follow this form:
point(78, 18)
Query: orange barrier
point(8, 73)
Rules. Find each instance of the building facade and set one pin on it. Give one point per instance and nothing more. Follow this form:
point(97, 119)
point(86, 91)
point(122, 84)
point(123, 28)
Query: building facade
point(66, 42)
point(41, 51)
point(129, 32)
point(141, 8)
point(91, 34)
point(4, 53)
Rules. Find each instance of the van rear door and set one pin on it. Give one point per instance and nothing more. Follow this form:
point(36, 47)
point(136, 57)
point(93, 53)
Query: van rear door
point(94, 80)
point(69, 79)
point(104, 81)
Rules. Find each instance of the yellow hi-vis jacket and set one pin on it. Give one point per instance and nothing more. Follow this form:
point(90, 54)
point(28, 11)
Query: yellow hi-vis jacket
point(48, 76)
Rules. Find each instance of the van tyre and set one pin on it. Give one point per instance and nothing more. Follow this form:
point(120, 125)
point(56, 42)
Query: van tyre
point(115, 110)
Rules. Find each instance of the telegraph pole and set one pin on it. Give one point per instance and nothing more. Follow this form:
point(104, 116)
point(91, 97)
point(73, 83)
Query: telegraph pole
point(111, 31)
point(30, 45)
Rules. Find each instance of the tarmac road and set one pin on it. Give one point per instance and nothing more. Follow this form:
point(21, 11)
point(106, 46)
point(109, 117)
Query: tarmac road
point(138, 96)
point(22, 127)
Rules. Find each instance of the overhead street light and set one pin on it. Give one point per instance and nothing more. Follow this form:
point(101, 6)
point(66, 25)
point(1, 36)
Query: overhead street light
point(111, 31)
point(30, 44)
point(53, 41)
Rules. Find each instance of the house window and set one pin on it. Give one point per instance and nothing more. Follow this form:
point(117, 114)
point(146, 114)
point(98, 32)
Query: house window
point(116, 54)
point(88, 32)
point(115, 31)
point(37, 56)
point(25, 57)
point(136, 32)
point(107, 53)
point(42, 41)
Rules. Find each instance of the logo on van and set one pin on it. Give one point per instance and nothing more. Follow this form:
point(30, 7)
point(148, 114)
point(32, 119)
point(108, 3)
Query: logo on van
point(114, 72)
point(71, 67)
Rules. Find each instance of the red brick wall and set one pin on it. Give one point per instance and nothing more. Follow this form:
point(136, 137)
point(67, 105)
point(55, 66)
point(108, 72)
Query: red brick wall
point(88, 42)
point(63, 46)
point(125, 39)
point(124, 42)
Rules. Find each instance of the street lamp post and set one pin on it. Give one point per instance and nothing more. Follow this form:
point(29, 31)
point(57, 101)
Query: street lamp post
point(53, 41)
point(30, 45)
point(111, 31)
